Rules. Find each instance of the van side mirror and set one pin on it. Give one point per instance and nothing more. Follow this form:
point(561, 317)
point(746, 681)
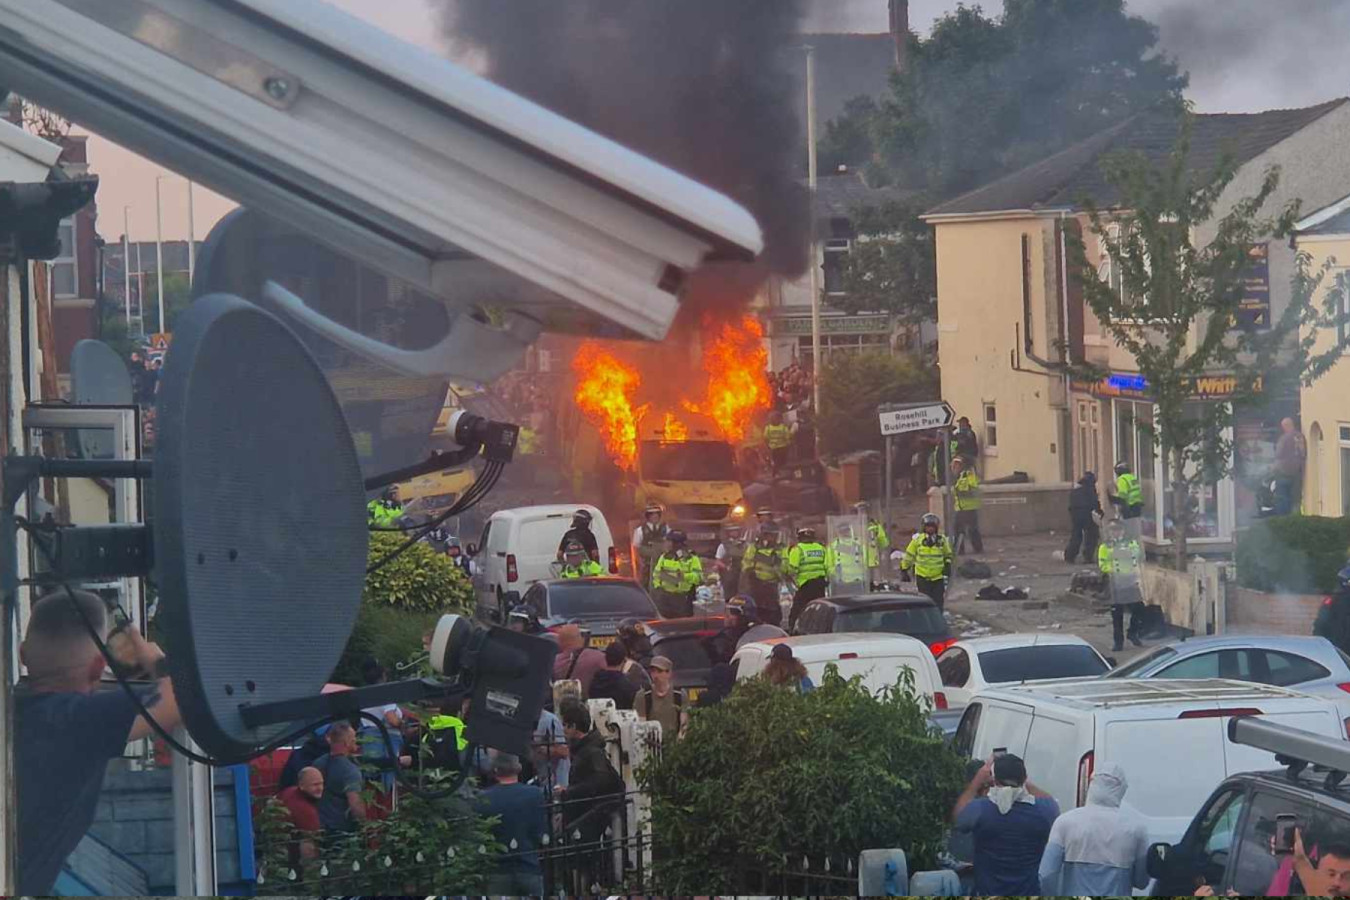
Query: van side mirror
point(1157, 858)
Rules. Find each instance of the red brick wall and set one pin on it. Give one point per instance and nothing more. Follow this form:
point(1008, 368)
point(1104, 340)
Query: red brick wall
point(1255, 612)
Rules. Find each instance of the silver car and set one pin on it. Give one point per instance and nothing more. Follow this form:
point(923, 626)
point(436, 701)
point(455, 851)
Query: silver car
point(1310, 665)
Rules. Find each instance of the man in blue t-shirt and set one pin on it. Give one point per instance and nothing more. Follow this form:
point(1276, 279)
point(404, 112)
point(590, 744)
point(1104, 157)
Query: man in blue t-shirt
point(522, 822)
point(66, 729)
point(1009, 820)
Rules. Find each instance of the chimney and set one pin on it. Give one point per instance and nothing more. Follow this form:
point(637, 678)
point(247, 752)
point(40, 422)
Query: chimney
point(900, 32)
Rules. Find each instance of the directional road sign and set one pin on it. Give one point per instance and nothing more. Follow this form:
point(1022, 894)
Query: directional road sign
point(906, 417)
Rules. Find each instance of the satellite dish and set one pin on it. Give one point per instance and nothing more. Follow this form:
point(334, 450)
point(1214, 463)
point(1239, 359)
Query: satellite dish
point(260, 525)
point(98, 377)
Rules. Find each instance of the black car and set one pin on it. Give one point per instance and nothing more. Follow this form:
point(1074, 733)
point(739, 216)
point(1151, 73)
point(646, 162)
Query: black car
point(890, 613)
point(685, 643)
point(1240, 840)
point(598, 603)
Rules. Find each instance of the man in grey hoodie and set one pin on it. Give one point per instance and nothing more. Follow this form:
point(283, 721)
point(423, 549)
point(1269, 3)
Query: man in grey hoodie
point(1099, 849)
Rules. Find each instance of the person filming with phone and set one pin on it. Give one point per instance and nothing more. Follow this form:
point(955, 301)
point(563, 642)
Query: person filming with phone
point(1009, 825)
point(66, 729)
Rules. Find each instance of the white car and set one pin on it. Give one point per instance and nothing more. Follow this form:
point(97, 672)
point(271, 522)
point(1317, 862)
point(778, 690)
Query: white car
point(971, 665)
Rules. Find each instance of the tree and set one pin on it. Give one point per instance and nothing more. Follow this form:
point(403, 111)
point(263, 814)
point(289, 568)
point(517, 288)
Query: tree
point(770, 777)
point(892, 266)
point(1173, 303)
point(853, 386)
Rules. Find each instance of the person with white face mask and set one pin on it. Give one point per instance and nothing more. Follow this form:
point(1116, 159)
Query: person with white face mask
point(1010, 825)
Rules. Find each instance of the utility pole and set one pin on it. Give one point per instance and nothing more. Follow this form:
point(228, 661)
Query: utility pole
point(126, 262)
point(159, 248)
point(192, 239)
point(815, 262)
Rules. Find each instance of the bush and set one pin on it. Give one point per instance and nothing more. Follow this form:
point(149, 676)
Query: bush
point(770, 776)
point(1293, 554)
point(420, 579)
point(391, 635)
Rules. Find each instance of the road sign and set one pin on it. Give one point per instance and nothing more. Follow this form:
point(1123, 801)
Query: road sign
point(907, 417)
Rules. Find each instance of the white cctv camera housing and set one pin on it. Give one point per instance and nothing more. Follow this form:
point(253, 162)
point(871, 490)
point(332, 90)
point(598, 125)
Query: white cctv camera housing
point(518, 219)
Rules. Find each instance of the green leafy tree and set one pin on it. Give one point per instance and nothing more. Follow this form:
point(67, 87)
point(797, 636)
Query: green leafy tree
point(770, 777)
point(1173, 300)
point(854, 385)
point(419, 579)
point(892, 266)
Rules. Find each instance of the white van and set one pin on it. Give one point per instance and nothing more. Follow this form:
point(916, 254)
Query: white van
point(878, 658)
point(1168, 736)
point(520, 547)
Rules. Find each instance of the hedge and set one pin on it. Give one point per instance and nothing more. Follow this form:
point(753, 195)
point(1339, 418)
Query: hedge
point(1293, 554)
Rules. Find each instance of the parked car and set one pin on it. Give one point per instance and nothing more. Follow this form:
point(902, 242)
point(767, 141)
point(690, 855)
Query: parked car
point(520, 546)
point(973, 664)
point(1168, 737)
point(1310, 665)
point(684, 643)
point(598, 603)
point(887, 613)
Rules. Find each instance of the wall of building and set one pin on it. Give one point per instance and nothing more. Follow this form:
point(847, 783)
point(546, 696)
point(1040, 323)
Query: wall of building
point(980, 313)
point(1323, 405)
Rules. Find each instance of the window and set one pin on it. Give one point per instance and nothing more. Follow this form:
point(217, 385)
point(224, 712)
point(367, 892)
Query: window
point(65, 283)
point(545, 360)
point(954, 667)
point(1031, 663)
point(964, 740)
point(1285, 669)
point(1236, 664)
point(844, 343)
point(1217, 835)
point(1134, 667)
point(536, 598)
point(990, 427)
point(1344, 431)
point(1258, 871)
point(1343, 326)
point(835, 256)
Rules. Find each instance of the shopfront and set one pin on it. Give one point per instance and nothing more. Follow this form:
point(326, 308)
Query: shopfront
point(790, 336)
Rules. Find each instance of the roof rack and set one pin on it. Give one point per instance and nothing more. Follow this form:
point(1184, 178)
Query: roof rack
point(1294, 748)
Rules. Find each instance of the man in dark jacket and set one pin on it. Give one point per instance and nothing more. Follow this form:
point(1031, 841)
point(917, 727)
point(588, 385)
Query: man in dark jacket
point(593, 787)
point(1084, 506)
point(582, 534)
point(611, 682)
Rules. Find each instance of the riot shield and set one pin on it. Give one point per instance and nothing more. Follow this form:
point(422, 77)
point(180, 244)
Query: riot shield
point(846, 541)
point(1125, 557)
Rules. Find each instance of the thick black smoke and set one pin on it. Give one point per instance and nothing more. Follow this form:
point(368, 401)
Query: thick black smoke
point(700, 85)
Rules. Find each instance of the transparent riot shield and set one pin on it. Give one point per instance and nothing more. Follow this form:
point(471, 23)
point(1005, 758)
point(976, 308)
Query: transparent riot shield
point(1125, 557)
point(846, 541)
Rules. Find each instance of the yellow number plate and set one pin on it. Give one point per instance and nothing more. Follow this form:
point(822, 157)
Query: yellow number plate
point(600, 643)
point(693, 693)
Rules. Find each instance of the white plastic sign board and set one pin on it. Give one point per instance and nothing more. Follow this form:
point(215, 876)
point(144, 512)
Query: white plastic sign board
point(918, 417)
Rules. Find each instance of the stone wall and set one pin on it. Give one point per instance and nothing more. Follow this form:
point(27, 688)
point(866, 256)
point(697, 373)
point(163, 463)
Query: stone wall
point(1255, 612)
point(1018, 508)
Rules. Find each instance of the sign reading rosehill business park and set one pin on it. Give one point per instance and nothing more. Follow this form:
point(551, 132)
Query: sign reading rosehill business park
point(903, 418)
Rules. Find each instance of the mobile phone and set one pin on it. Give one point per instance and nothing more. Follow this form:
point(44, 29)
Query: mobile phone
point(1000, 751)
point(1284, 834)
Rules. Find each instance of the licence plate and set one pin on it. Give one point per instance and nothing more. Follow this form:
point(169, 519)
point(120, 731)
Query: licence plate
point(600, 643)
point(702, 535)
point(692, 694)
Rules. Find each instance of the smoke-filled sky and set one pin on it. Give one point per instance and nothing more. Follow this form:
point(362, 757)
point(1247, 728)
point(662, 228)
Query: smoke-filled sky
point(1243, 55)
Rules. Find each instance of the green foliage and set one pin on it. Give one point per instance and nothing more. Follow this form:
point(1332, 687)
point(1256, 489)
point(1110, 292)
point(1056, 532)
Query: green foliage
point(770, 776)
point(420, 579)
point(854, 385)
point(892, 266)
point(391, 635)
point(408, 853)
point(1172, 299)
point(1293, 554)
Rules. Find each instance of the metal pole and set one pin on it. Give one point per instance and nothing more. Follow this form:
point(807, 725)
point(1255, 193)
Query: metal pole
point(159, 249)
point(946, 479)
point(815, 260)
point(192, 238)
point(194, 840)
point(890, 483)
point(140, 287)
point(126, 261)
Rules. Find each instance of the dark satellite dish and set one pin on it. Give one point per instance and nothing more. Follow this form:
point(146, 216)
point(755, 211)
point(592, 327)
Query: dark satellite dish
point(98, 377)
point(260, 524)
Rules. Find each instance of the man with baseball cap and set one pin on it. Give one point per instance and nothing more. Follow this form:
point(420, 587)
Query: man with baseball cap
point(1009, 820)
point(662, 702)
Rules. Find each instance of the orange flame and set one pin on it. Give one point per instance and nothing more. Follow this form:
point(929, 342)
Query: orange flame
point(673, 430)
point(736, 362)
point(605, 390)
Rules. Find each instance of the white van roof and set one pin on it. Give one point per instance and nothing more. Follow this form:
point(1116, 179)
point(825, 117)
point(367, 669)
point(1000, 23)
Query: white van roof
point(816, 647)
point(1111, 693)
point(546, 511)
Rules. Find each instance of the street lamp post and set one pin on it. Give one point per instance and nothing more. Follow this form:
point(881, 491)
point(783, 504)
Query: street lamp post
point(815, 263)
point(159, 248)
point(126, 262)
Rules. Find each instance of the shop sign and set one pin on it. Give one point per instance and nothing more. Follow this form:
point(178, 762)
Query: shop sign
point(829, 325)
point(1133, 386)
point(1254, 308)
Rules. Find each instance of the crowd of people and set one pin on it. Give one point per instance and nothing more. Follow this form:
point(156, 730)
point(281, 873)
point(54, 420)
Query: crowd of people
point(791, 386)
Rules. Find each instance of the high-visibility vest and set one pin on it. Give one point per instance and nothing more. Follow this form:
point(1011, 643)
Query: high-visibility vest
point(677, 576)
point(1110, 563)
point(764, 563)
point(847, 559)
point(383, 516)
point(878, 543)
point(808, 561)
point(777, 436)
point(440, 723)
point(967, 491)
point(589, 569)
point(1127, 488)
point(929, 561)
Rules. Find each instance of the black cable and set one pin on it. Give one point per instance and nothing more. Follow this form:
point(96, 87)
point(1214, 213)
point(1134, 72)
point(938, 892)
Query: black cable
point(487, 479)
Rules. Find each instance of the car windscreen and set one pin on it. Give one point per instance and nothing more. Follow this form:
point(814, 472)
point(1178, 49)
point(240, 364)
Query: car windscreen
point(1134, 666)
point(1031, 663)
point(600, 598)
point(688, 461)
point(892, 620)
point(686, 652)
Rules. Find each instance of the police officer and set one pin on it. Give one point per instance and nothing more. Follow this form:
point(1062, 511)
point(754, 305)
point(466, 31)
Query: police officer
point(808, 566)
point(763, 519)
point(1129, 496)
point(1119, 559)
point(777, 438)
point(676, 574)
point(459, 558)
point(966, 489)
point(576, 564)
point(385, 511)
point(929, 559)
point(438, 538)
point(648, 538)
point(1333, 618)
point(582, 534)
point(764, 565)
point(878, 543)
point(847, 562)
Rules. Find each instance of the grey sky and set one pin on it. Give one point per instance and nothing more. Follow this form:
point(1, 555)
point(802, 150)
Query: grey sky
point(1242, 56)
